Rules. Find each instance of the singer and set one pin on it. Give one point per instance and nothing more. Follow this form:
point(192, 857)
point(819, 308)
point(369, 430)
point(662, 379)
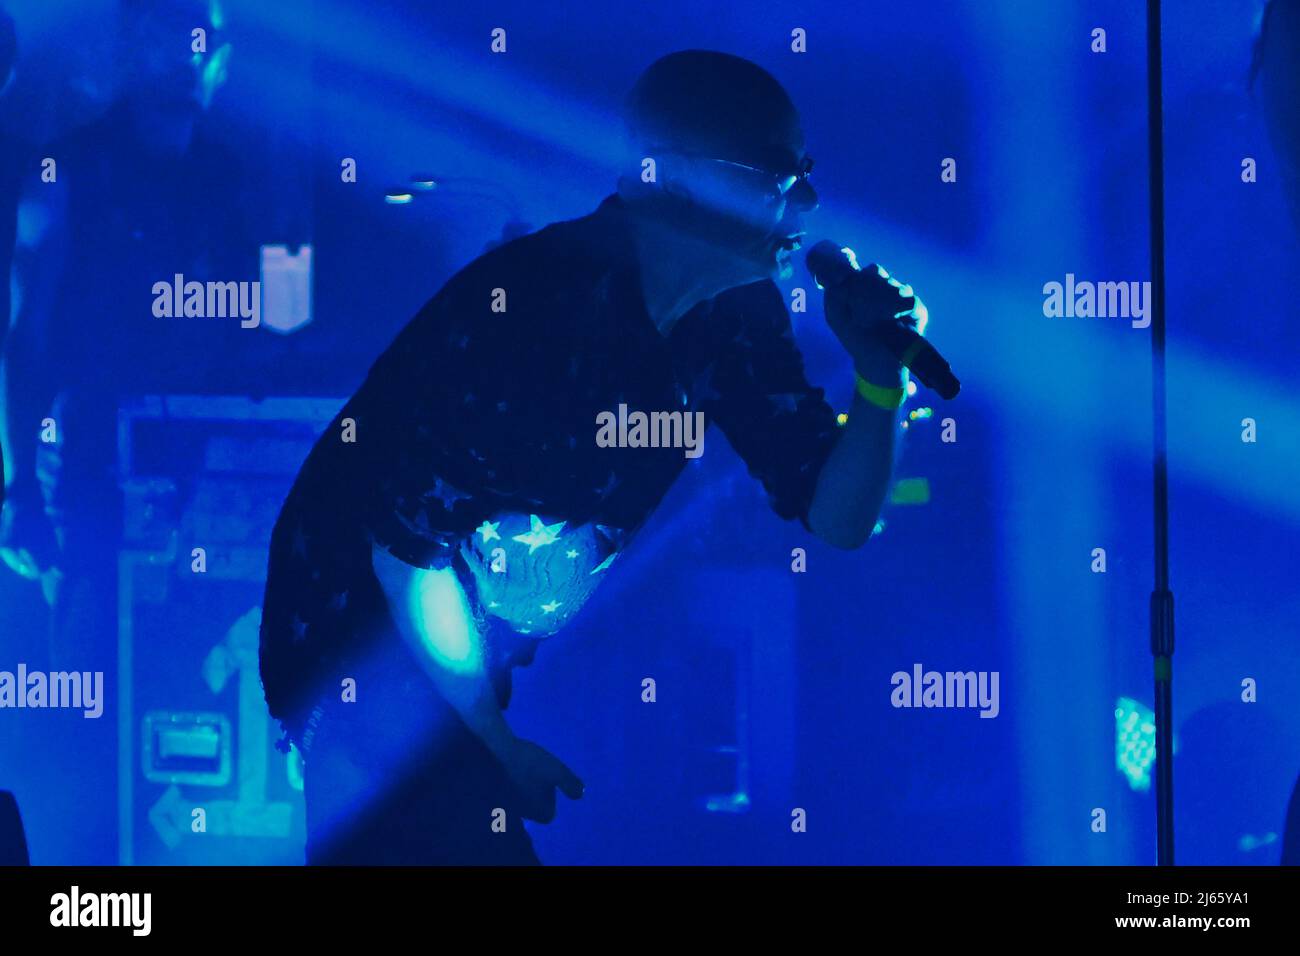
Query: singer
point(459, 510)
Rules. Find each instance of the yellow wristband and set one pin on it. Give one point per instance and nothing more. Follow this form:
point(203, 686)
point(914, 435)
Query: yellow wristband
point(890, 399)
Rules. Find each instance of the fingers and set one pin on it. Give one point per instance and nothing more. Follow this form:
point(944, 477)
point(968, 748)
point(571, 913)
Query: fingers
point(920, 316)
point(559, 775)
point(570, 783)
point(538, 782)
point(913, 320)
point(881, 294)
point(888, 291)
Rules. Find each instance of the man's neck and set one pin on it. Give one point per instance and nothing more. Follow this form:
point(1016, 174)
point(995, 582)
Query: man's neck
point(678, 272)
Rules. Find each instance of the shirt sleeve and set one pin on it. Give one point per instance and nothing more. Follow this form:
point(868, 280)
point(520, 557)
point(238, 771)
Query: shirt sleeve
point(779, 424)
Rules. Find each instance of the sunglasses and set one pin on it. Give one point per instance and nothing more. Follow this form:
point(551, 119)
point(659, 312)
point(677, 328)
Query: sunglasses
point(776, 185)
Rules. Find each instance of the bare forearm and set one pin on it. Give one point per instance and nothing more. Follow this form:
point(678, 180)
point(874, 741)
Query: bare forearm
point(853, 483)
point(28, 380)
point(433, 616)
point(472, 697)
point(852, 486)
point(26, 393)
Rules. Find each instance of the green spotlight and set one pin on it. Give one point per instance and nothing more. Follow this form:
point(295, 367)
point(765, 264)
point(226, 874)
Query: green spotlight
point(1135, 742)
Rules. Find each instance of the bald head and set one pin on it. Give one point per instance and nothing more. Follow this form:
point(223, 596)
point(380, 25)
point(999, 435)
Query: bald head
point(718, 105)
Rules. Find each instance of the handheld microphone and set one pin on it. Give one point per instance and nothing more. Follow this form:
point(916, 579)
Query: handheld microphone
point(832, 265)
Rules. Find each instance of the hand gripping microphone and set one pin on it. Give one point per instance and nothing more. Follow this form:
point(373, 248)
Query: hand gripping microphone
point(831, 265)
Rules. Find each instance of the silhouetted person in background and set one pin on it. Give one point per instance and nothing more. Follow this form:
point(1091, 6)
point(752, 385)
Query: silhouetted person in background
point(140, 195)
point(8, 199)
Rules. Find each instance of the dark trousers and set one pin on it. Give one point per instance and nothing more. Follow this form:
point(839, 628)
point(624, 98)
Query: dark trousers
point(395, 778)
point(78, 811)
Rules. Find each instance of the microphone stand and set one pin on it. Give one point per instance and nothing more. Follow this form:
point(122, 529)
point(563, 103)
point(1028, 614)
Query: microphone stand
point(1162, 599)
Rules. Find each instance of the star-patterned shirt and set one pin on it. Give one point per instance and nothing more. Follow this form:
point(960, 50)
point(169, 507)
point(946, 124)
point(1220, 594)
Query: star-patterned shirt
point(473, 444)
